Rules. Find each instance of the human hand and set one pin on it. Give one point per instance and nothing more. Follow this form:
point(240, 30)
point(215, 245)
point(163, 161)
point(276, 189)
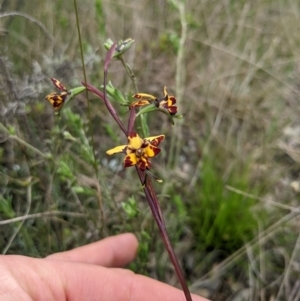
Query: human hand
point(87, 273)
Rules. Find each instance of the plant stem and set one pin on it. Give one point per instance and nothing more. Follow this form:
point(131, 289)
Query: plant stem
point(85, 80)
point(156, 211)
point(130, 73)
point(180, 82)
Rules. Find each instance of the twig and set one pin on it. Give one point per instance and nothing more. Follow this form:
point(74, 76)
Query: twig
point(30, 18)
point(41, 214)
point(22, 142)
point(175, 145)
point(288, 269)
point(267, 202)
point(17, 230)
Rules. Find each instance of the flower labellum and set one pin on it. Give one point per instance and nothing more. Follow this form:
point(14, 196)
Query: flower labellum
point(57, 99)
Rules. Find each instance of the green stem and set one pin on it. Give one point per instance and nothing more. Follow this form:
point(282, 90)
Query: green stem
point(130, 73)
point(86, 92)
point(142, 120)
point(180, 81)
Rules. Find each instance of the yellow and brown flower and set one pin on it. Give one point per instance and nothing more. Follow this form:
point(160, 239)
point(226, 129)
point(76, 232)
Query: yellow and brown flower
point(139, 150)
point(57, 99)
point(167, 102)
point(143, 99)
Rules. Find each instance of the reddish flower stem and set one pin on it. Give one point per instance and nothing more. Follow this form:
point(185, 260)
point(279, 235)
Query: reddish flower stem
point(146, 182)
point(108, 104)
point(156, 211)
point(150, 195)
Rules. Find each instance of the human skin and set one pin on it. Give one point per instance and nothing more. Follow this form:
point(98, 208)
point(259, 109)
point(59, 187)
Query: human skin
point(89, 273)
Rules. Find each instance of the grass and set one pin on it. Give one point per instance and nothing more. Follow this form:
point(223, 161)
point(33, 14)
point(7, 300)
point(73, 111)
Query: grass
point(234, 68)
point(222, 220)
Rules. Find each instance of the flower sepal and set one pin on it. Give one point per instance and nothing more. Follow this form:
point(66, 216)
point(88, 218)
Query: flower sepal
point(116, 150)
point(158, 180)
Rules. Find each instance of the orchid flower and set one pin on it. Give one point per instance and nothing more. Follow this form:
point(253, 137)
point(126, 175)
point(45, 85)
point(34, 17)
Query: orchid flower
point(138, 151)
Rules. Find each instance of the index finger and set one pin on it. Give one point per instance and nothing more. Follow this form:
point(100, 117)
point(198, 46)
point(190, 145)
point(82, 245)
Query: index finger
point(113, 251)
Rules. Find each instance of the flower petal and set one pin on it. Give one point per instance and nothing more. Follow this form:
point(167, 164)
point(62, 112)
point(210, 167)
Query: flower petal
point(144, 96)
point(156, 140)
point(151, 151)
point(58, 84)
point(117, 149)
point(172, 110)
point(134, 141)
point(165, 92)
point(130, 160)
point(171, 100)
point(169, 105)
point(140, 103)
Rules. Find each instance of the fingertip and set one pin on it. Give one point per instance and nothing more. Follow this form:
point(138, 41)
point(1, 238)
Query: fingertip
point(113, 251)
point(123, 249)
point(129, 238)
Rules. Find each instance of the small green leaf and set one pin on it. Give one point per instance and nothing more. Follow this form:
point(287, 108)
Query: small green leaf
point(77, 90)
point(130, 207)
point(116, 94)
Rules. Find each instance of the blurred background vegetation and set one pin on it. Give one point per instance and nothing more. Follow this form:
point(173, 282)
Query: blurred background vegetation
point(231, 166)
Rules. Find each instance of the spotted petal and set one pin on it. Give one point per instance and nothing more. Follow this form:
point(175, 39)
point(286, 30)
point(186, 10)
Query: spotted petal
point(117, 149)
point(156, 140)
point(58, 84)
point(140, 103)
point(57, 99)
point(168, 105)
point(130, 160)
point(151, 151)
point(144, 96)
point(171, 100)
